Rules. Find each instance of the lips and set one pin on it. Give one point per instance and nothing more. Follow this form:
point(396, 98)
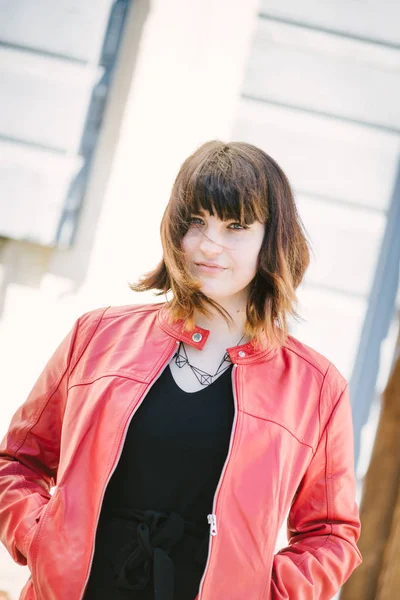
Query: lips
point(210, 268)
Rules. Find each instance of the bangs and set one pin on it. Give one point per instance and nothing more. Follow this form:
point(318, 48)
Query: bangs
point(219, 192)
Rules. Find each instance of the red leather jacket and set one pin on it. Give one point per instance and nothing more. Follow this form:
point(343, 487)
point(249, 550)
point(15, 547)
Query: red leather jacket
point(291, 450)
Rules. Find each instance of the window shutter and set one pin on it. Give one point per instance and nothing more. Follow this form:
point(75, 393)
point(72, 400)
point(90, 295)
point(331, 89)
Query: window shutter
point(56, 63)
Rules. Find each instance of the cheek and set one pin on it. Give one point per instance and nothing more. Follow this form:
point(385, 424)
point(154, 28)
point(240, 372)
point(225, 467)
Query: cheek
point(188, 245)
point(246, 269)
point(185, 244)
point(247, 258)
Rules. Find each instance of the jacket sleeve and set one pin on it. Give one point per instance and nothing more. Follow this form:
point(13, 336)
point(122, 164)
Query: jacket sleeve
point(323, 523)
point(29, 452)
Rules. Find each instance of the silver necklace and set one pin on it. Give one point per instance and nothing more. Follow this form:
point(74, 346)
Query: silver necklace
point(181, 359)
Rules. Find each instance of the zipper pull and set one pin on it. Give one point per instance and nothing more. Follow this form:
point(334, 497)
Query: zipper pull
point(212, 519)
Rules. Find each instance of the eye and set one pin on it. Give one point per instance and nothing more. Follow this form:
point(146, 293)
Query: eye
point(195, 221)
point(238, 226)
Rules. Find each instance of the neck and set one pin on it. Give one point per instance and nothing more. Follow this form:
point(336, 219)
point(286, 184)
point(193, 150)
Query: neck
point(219, 328)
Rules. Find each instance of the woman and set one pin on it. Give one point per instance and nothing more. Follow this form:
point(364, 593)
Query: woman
point(179, 435)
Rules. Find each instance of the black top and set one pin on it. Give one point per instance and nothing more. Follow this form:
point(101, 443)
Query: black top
point(153, 535)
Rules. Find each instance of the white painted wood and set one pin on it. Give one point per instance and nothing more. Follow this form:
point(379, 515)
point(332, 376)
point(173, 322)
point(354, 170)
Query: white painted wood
point(321, 156)
point(44, 100)
point(375, 19)
point(186, 84)
point(345, 242)
point(73, 28)
point(33, 188)
point(325, 73)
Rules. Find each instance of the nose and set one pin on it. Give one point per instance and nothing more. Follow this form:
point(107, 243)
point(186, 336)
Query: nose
point(209, 245)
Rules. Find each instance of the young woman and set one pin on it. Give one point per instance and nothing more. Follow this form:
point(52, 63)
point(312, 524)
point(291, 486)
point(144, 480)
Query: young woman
point(179, 435)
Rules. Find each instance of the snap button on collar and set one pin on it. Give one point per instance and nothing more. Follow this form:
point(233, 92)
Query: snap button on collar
point(197, 337)
point(241, 353)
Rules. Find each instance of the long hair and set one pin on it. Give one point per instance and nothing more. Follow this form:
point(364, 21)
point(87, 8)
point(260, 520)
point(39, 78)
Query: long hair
point(238, 181)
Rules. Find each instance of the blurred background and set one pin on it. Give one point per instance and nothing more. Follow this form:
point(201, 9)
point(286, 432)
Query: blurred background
point(102, 100)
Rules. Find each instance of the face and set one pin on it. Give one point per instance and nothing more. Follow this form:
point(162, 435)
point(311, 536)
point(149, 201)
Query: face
point(222, 255)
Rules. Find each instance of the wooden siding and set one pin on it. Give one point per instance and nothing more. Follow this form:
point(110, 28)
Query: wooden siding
point(321, 93)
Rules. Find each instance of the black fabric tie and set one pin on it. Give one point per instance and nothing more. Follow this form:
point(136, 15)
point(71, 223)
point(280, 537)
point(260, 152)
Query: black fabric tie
point(148, 554)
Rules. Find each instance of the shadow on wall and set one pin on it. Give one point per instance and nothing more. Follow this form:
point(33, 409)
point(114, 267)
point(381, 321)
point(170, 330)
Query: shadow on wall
point(26, 263)
point(21, 263)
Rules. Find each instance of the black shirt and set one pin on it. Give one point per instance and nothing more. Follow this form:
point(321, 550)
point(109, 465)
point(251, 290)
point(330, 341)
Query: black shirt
point(174, 451)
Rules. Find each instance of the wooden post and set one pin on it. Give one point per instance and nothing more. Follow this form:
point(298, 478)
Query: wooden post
point(378, 577)
point(389, 578)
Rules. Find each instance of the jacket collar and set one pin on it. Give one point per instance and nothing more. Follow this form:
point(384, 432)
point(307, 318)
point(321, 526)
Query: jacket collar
point(243, 354)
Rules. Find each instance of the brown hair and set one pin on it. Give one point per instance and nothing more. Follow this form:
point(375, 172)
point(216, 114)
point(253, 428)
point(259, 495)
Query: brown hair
point(237, 181)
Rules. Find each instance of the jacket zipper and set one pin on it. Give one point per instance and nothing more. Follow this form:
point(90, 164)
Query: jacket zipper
point(121, 446)
point(213, 522)
point(212, 518)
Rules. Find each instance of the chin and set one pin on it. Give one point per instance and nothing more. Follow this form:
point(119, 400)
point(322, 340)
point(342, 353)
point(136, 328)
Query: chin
point(222, 295)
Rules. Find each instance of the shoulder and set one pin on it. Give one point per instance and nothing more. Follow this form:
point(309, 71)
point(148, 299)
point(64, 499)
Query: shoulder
point(331, 383)
point(132, 311)
point(118, 314)
point(312, 359)
point(115, 319)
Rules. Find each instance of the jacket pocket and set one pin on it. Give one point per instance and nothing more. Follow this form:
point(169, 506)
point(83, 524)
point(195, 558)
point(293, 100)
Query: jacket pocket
point(32, 535)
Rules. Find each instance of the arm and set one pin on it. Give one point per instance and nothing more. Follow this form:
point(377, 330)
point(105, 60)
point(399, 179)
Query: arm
point(323, 523)
point(29, 452)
